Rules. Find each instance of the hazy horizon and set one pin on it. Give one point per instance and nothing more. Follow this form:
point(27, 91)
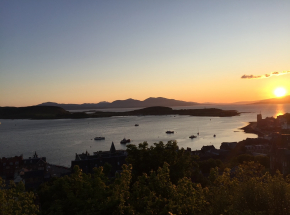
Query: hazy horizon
point(201, 103)
point(92, 51)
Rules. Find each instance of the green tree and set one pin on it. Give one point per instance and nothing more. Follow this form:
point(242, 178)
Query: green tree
point(15, 201)
point(144, 159)
point(156, 194)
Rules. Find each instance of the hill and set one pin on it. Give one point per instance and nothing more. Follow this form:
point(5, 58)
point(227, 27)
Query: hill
point(33, 112)
point(128, 103)
point(282, 100)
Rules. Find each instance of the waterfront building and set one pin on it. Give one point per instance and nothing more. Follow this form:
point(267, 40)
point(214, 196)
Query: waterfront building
point(87, 162)
point(8, 166)
point(35, 163)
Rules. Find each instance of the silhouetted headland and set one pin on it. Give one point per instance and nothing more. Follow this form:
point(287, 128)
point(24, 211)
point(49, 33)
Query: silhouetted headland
point(51, 112)
point(33, 112)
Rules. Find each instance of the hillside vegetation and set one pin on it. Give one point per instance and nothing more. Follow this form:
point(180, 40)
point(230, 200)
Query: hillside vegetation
point(160, 180)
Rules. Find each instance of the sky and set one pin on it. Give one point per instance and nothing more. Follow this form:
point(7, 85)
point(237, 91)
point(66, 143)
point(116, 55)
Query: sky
point(91, 51)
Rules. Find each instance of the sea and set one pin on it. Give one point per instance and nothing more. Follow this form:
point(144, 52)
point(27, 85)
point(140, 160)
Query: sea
point(60, 139)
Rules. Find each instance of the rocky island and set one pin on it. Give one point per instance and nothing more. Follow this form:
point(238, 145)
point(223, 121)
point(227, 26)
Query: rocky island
point(52, 112)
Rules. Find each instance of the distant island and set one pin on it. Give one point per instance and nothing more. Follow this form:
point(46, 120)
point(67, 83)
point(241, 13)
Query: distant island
point(52, 112)
point(128, 103)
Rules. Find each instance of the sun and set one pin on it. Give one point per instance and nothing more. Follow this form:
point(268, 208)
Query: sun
point(279, 92)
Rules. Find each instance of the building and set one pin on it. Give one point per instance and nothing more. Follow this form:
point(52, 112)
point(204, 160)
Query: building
point(9, 166)
point(228, 145)
point(280, 160)
point(87, 162)
point(35, 163)
point(267, 123)
point(285, 140)
point(262, 148)
point(285, 126)
point(284, 121)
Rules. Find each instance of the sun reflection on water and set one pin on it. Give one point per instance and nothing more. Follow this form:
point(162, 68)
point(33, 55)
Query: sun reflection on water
point(280, 110)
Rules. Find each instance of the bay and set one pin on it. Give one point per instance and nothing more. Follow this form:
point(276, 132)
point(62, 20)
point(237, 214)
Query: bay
point(59, 140)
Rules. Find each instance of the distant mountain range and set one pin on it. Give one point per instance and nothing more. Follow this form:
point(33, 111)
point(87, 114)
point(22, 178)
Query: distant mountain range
point(133, 103)
point(128, 103)
point(282, 100)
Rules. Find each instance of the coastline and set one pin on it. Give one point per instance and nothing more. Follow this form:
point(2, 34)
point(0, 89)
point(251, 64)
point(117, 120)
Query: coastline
point(251, 128)
point(51, 112)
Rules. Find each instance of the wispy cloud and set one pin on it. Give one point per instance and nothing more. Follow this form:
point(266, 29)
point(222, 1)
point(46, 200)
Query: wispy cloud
point(265, 76)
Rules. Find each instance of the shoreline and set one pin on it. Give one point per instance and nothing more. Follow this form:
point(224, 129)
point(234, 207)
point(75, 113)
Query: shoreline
point(50, 112)
point(251, 128)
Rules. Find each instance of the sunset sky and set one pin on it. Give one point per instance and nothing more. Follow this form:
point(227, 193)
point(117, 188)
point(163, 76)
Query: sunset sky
point(92, 51)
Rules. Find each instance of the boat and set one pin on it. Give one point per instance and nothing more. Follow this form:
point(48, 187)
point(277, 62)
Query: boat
point(136, 124)
point(99, 138)
point(169, 132)
point(192, 136)
point(124, 141)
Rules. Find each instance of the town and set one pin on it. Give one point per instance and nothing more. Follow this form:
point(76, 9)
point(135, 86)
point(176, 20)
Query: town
point(273, 143)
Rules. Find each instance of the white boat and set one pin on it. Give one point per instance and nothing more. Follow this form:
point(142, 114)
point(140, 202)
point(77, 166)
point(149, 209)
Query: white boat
point(99, 138)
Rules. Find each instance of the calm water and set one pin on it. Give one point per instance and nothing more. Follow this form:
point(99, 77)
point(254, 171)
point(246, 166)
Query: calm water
point(59, 140)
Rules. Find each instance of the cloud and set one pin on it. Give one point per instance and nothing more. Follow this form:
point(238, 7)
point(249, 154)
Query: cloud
point(250, 77)
point(265, 76)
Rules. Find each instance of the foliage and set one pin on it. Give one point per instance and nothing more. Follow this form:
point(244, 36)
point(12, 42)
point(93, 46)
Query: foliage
point(144, 159)
point(249, 192)
point(15, 201)
point(263, 160)
point(156, 194)
point(206, 165)
point(151, 185)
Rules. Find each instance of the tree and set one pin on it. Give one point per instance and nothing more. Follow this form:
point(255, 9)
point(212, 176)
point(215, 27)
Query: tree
point(15, 201)
point(144, 159)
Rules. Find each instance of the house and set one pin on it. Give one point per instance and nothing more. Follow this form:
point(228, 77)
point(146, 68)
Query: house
point(259, 148)
point(228, 145)
point(285, 139)
point(86, 162)
point(280, 160)
point(208, 152)
point(8, 166)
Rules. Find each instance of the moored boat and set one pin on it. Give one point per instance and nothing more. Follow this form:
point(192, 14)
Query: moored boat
point(169, 132)
point(99, 138)
point(124, 141)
